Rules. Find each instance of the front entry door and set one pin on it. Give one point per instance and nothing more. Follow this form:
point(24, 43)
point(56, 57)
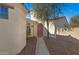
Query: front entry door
point(39, 30)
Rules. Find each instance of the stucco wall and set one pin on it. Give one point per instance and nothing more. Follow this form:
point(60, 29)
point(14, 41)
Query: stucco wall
point(51, 28)
point(74, 33)
point(34, 27)
point(13, 31)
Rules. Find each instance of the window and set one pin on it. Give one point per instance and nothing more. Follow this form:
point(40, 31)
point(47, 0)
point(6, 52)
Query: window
point(3, 13)
point(29, 27)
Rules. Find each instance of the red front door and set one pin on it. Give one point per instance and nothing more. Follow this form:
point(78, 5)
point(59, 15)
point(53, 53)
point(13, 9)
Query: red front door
point(39, 30)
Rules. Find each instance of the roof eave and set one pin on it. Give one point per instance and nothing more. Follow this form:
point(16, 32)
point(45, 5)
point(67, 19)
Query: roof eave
point(6, 5)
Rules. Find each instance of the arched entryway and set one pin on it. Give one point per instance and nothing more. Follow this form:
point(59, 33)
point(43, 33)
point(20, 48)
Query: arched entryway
point(39, 30)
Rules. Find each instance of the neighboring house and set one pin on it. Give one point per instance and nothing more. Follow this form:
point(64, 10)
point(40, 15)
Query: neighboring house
point(61, 24)
point(12, 28)
point(31, 28)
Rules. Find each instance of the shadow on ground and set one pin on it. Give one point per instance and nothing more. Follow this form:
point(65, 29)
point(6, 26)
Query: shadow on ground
point(62, 45)
point(30, 48)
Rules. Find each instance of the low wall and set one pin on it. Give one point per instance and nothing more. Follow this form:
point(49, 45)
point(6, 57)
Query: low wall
point(74, 33)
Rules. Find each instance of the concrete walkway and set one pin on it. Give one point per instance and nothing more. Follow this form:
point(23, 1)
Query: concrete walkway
point(41, 48)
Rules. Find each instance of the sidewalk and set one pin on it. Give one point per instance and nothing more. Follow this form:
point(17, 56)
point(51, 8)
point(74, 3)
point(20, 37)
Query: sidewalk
point(41, 48)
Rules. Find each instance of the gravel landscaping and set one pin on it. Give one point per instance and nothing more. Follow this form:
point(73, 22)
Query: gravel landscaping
point(30, 48)
point(62, 45)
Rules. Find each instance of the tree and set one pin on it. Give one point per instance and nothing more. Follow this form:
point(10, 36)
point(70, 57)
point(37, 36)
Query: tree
point(74, 22)
point(46, 11)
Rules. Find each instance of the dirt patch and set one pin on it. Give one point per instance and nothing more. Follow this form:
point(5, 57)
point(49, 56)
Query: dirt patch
point(62, 45)
point(30, 48)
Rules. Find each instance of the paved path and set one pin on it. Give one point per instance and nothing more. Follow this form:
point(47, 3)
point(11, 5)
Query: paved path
point(41, 48)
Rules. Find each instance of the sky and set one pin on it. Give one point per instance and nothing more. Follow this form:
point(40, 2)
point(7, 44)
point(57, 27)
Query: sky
point(69, 9)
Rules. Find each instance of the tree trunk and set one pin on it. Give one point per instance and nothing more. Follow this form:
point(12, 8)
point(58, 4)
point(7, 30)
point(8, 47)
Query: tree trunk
point(47, 29)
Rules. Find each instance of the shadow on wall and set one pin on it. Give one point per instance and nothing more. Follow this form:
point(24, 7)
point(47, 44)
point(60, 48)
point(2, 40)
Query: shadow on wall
point(62, 45)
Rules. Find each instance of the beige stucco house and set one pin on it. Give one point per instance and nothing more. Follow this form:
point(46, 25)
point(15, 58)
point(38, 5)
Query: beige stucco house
point(12, 28)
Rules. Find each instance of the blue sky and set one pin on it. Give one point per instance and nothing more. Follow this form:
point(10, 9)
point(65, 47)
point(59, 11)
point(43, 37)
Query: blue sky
point(29, 7)
point(68, 9)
